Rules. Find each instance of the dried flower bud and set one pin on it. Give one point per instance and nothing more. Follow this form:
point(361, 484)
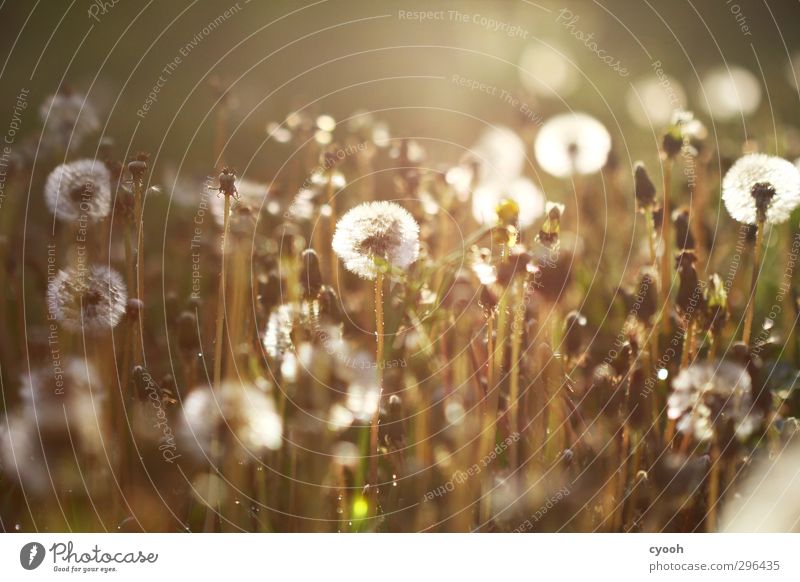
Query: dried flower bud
point(138, 166)
point(646, 298)
point(683, 234)
point(644, 190)
point(672, 142)
point(488, 300)
point(227, 182)
point(574, 331)
point(312, 275)
point(188, 333)
point(690, 297)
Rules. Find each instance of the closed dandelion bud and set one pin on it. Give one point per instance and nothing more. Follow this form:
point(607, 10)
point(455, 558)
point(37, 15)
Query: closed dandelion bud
point(312, 276)
point(393, 429)
point(138, 167)
point(488, 300)
point(716, 304)
point(505, 235)
point(227, 182)
point(672, 142)
point(574, 330)
point(622, 362)
point(643, 188)
point(683, 234)
point(689, 301)
point(329, 304)
point(646, 298)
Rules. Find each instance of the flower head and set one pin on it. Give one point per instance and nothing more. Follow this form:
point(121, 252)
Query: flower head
point(500, 156)
point(572, 143)
point(729, 92)
point(241, 412)
point(705, 395)
point(760, 184)
point(77, 189)
point(373, 232)
point(87, 299)
point(68, 118)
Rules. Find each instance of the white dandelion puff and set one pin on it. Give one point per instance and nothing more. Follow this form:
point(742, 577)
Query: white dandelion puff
point(755, 173)
point(652, 100)
point(68, 118)
point(572, 143)
point(374, 232)
point(241, 412)
point(500, 154)
point(278, 336)
point(548, 71)
point(88, 299)
point(730, 92)
point(522, 191)
point(707, 394)
point(79, 189)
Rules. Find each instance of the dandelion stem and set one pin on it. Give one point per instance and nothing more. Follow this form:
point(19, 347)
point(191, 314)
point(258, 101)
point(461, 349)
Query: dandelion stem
point(666, 275)
point(713, 488)
point(138, 195)
point(220, 324)
point(751, 300)
point(373, 434)
point(513, 396)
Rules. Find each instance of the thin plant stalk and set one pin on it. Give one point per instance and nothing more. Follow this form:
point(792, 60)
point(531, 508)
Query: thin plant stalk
point(516, 345)
point(751, 300)
point(373, 433)
point(220, 323)
point(138, 195)
point(713, 488)
point(666, 223)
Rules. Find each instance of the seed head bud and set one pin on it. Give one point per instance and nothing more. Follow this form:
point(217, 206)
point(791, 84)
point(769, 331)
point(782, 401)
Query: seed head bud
point(644, 190)
point(138, 166)
point(312, 276)
point(227, 182)
point(683, 234)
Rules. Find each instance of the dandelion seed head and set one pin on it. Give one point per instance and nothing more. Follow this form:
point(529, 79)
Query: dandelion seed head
point(548, 71)
point(278, 336)
point(500, 154)
point(68, 118)
point(651, 100)
point(376, 231)
point(241, 413)
point(77, 189)
point(729, 92)
point(753, 171)
point(706, 394)
point(572, 143)
point(87, 299)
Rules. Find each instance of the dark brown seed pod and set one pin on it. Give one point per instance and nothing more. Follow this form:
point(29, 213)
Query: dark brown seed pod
point(574, 332)
point(227, 182)
point(683, 234)
point(138, 167)
point(312, 275)
point(644, 190)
